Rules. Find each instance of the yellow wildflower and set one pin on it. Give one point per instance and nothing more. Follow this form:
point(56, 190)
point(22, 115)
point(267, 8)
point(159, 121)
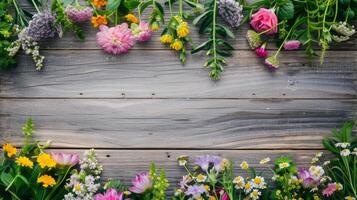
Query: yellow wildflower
point(155, 26)
point(350, 198)
point(24, 162)
point(166, 39)
point(212, 198)
point(131, 18)
point(177, 45)
point(244, 165)
point(183, 30)
point(45, 160)
point(284, 165)
point(9, 149)
point(207, 188)
point(99, 20)
point(46, 180)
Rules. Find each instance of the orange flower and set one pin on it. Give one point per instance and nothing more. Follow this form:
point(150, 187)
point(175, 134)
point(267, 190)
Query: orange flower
point(99, 20)
point(9, 149)
point(99, 3)
point(131, 18)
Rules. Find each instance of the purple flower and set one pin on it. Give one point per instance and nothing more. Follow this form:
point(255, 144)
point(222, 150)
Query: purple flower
point(196, 191)
point(141, 32)
point(292, 45)
point(43, 26)
point(205, 161)
point(185, 181)
point(272, 63)
point(141, 183)
point(79, 14)
point(110, 194)
point(309, 181)
point(261, 52)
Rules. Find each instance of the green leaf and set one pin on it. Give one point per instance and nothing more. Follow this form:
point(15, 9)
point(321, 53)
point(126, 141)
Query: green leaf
point(200, 17)
point(131, 4)
point(113, 4)
point(143, 6)
point(23, 179)
point(6, 178)
point(201, 46)
point(228, 32)
point(286, 11)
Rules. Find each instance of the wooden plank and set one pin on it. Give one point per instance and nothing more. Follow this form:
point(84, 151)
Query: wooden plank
point(158, 74)
point(168, 123)
point(125, 164)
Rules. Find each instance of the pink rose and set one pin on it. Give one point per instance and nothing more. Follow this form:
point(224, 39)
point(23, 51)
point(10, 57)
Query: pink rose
point(264, 20)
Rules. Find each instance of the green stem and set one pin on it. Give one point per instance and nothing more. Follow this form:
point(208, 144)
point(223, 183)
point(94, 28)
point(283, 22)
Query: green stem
point(180, 8)
point(12, 182)
point(214, 31)
point(170, 7)
point(18, 12)
point(59, 183)
point(34, 4)
point(14, 195)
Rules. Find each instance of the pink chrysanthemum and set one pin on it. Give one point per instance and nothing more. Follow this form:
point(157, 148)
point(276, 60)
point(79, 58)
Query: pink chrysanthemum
point(292, 45)
point(110, 194)
point(141, 32)
point(141, 183)
point(115, 40)
point(79, 14)
point(331, 188)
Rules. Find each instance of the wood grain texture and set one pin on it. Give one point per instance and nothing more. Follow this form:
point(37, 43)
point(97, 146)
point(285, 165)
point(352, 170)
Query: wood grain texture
point(158, 74)
point(125, 164)
point(167, 123)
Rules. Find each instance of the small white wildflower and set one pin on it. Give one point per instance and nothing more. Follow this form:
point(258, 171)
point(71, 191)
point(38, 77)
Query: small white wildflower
point(345, 152)
point(255, 194)
point(284, 165)
point(265, 161)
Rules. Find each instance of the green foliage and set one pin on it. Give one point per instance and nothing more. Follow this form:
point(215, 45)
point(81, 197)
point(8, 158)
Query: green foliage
point(343, 167)
point(156, 14)
point(160, 183)
point(58, 7)
point(6, 35)
point(216, 47)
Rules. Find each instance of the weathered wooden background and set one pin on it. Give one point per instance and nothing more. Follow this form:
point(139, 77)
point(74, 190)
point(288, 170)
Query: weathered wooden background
point(145, 106)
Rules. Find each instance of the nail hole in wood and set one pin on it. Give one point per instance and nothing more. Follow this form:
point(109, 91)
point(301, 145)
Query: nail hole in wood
point(81, 93)
point(108, 156)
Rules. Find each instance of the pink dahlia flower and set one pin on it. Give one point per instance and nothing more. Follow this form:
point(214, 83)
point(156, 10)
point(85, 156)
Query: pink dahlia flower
point(65, 159)
point(330, 189)
point(115, 40)
point(141, 183)
point(265, 20)
point(141, 32)
point(79, 14)
point(110, 194)
point(292, 45)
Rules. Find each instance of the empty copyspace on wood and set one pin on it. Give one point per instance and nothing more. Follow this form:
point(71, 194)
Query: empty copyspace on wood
point(167, 123)
point(158, 74)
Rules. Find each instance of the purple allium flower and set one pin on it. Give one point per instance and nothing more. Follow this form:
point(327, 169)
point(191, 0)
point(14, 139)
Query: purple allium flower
point(42, 26)
point(110, 194)
point(196, 191)
point(253, 38)
point(292, 45)
point(261, 52)
point(231, 12)
point(79, 14)
point(141, 183)
point(309, 181)
point(272, 63)
point(142, 31)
